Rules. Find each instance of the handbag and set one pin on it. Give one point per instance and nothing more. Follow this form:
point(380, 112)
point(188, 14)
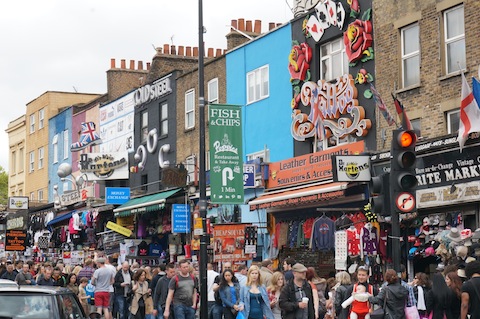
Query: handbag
point(411, 313)
point(379, 313)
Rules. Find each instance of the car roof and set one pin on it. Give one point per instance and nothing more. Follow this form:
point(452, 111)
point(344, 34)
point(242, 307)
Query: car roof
point(7, 282)
point(36, 289)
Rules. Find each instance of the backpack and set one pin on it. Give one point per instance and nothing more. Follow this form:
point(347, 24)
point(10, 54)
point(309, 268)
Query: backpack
point(193, 278)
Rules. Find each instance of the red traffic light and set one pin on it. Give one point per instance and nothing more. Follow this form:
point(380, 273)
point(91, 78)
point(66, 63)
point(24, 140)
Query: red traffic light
point(407, 139)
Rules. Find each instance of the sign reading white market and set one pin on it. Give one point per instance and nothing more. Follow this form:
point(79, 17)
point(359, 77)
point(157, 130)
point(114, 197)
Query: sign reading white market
point(226, 160)
point(151, 92)
point(104, 166)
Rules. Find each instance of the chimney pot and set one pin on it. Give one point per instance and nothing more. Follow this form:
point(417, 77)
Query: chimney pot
point(258, 26)
point(166, 48)
point(218, 53)
point(195, 51)
point(132, 64)
point(234, 24)
point(140, 65)
point(148, 66)
point(181, 50)
point(248, 25)
point(188, 51)
point(279, 24)
point(241, 24)
point(271, 25)
point(123, 64)
point(112, 63)
point(173, 50)
point(210, 52)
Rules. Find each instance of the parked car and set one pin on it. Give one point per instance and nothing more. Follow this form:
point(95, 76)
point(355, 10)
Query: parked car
point(39, 302)
point(6, 282)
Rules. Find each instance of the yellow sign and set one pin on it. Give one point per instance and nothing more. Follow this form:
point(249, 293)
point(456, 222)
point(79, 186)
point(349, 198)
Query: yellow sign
point(197, 226)
point(119, 229)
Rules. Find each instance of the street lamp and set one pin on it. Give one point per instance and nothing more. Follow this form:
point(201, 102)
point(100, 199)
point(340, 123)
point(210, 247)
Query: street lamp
point(65, 173)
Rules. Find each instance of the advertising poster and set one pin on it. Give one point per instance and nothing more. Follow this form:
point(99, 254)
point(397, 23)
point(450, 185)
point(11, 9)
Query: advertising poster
point(229, 242)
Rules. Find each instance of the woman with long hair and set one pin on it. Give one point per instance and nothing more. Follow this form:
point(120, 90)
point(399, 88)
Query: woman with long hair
point(72, 283)
point(344, 281)
point(229, 290)
point(421, 286)
point(142, 302)
point(318, 284)
point(454, 282)
point(439, 299)
point(254, 298)
point(276, 284)
point(394, 295)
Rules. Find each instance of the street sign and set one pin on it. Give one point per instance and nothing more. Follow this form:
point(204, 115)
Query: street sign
point(226, 160)
point(181, 218)
point(405, 202)
point(248, 175)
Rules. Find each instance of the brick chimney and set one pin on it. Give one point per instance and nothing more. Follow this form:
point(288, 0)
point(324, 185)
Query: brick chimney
point(122, 80)
point(242, 31)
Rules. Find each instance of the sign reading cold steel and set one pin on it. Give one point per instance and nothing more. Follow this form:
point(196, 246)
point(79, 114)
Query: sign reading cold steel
point(226, 164)
point(151, 92)
point(17, 202)
point(15, 240)
point(310, 167)
point(117, 195)
point(181, 218)
point(351, 168)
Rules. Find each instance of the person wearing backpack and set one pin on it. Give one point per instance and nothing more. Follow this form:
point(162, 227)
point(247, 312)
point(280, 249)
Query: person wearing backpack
point(471, 291)
point(182, 292)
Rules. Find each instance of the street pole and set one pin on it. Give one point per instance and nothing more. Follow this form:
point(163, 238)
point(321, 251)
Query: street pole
point(202, 204)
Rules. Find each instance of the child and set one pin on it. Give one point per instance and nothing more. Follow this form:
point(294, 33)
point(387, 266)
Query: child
point(82, 295)
point(359, 299)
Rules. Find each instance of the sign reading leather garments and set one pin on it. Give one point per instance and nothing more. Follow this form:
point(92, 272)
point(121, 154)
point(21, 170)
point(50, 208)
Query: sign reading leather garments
point(226, 160)
point(104, 166)
point(310, 167)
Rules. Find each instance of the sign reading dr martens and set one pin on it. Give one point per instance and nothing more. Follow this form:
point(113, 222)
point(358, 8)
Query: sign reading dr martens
point(104, 166)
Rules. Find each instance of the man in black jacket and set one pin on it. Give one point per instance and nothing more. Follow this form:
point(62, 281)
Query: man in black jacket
point(161, 292)
point(296, 298)
point(122, 286)
point(10, 274)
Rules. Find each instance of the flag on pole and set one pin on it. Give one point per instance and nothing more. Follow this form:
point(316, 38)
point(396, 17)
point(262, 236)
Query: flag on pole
point(469, 114)
point(406, 124)
point(476, 90)
point(381, 106)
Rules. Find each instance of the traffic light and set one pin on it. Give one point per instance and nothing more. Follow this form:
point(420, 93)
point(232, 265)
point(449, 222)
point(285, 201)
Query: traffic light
point(403, 180)
point(380, 194)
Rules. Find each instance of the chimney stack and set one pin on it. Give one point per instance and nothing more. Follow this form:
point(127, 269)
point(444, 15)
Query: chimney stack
point(188, 51)
point(148, 66)
point(123, 64)
point(241, 24)
point(112, 63)
point(132, 64)
point(271, 25)
point(140, 65)
point(258, 26)
point(181, 51)
point(166, 49)
point(248, 26)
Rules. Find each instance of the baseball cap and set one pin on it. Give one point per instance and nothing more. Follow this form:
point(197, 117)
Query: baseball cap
point(299, 268)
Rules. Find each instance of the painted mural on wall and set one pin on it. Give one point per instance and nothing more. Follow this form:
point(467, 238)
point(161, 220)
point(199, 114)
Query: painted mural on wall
point(333, 108)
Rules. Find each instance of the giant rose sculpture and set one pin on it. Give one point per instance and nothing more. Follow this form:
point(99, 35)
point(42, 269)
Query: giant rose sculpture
point(358, 41)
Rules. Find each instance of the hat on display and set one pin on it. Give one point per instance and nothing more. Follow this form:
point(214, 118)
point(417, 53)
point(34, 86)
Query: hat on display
point(454, 235)
point(468, 242)
point(466, 233)
point(299, 268)
point(435, 220)
point(351, 269)
point(462, 251)
point(442, 222)
point(434, 244)
point(469, 259)
point(461, 273)
point(429, 251)
point(440, 267)
point(426, 221)
point(476, 234)
point(418, 242)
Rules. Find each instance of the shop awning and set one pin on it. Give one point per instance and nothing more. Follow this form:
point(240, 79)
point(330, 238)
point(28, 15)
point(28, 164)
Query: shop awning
point(60, 218)
point(145, 204)
point(299, 196)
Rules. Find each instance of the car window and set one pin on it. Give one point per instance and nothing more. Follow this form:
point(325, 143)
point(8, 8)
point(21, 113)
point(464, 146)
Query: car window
point(26, 306)
point(70, 307)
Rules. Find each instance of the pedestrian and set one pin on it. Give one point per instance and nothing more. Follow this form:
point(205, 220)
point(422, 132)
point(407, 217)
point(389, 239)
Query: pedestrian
point(296, 298)
point(182, 293)
point(111, 290)
point(122, 285)
point(161, 292)
point(439, 298)
point(58, 278)
point(266, 272)
point(142, 302)
point(241, 274)
point(82, 295)
point(393, 294)
point(342, 288)
point(254, 297)
point(46, 279)
point(10, 273)
point(454, 282)
point(470, 289)
point(211, 275)
point(24, 277)
point(276, 285)
point(421, 286)
point(287, 268)
point(102, 279)
point(319, 284)
point(229, 291)
point(72, 283)
point(217, 309)
point(87, 270)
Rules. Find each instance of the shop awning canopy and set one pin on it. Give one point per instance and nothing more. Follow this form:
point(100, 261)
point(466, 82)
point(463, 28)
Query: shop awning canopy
point(299, 196)
point(60, 218)
point(147, 203)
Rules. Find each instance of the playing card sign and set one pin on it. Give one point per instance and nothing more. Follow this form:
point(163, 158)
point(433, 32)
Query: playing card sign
point(327, 14)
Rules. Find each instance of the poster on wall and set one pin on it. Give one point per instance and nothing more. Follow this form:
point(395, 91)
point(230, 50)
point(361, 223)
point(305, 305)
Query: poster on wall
point(226, 160)
point(229, 241)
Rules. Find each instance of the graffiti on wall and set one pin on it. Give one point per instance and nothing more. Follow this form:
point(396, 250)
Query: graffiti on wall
point(334, 110)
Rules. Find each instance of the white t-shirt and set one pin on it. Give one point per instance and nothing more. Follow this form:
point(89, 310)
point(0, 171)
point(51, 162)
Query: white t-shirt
point(114, 272)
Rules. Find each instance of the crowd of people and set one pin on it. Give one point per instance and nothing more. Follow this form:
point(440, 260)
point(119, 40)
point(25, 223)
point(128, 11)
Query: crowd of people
point(257, 292)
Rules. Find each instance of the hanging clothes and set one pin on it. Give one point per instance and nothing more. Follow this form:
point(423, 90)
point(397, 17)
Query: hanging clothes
point(323, 234)
point(369, 238)
point(341, 250)
point(353, 238)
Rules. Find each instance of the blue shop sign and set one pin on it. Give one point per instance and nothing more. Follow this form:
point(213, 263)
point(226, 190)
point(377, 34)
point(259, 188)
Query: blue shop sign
point(117, 195)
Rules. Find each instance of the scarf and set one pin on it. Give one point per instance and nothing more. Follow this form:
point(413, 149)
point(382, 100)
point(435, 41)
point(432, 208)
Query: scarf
point(421, 299)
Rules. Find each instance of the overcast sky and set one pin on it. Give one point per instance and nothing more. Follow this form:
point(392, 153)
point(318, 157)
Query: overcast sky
point(66, 45)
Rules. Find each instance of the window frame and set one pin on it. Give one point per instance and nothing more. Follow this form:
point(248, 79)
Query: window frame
point(213, 87)
point(163, 119)
point(41, 156)
point(66, 145)
point(329, 56)
point(32, 196)
point(13, 165)
point(32, 123)
point(41, 118)
point(40, 195)
point(407, 56)
point(189, 113)
point(449, 121)
point(257, 76)
point(453, 40)
point(21, 162)
point(143, 126)
point(31, 157)
point(190, 165)
point(55, 148)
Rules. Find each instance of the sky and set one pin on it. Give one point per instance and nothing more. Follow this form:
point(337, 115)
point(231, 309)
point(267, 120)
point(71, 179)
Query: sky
point(66, 45)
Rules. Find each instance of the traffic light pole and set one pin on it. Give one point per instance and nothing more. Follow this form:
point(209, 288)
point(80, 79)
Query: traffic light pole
point(395, 239)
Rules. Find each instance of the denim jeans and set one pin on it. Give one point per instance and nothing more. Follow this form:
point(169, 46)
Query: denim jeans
point(121, 306)
point(216, 312)
point(183, 312)
point(160, 311)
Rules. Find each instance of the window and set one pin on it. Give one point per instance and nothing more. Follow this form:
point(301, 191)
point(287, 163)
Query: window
point(144, 126)
point(40, 157)
point(40, 195)
point(41, 118)
point(454, 39)
point(32, 161)
point(265, 154)
point(213, 91)
point(257, 84)
point(32, 196)
point(453, 119)
point(20, 159)
point(13, 164)
point(163, 119)
point(32, 123)
point(55, 148)
point(66, 186)
point(410, 55)
point(190, 164)
point(190, 109)
point(416, 124)
point(334, 60)
point(66, 145)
